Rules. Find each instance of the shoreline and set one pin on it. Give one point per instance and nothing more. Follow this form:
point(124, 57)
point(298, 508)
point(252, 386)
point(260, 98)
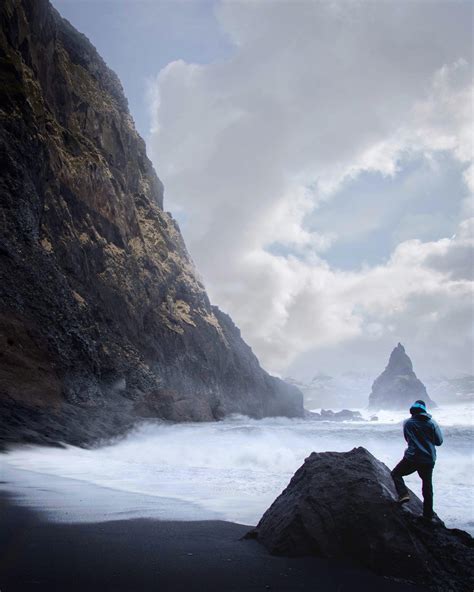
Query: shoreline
point(231, 470)
point(142, 554)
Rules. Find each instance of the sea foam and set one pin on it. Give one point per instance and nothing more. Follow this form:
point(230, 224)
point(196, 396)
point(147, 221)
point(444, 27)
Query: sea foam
point(234, 469)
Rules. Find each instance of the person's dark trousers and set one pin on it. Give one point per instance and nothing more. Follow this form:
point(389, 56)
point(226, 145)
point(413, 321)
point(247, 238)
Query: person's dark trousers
point(425, 471)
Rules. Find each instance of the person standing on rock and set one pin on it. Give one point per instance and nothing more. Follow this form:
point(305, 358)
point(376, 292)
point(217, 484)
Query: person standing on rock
point(422, 434)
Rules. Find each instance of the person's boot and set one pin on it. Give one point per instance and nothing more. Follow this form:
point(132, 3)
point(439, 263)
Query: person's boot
point(430, 519)
point(427, 520)
point(404, 498)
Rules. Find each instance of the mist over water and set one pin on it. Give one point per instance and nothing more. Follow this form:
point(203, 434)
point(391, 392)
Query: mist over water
point(230, 470)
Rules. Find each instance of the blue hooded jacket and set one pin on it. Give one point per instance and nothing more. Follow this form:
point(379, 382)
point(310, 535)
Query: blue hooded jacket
point(422, 434)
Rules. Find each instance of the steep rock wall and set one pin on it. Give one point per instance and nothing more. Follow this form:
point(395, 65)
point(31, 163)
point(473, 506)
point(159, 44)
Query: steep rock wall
point(100, 301)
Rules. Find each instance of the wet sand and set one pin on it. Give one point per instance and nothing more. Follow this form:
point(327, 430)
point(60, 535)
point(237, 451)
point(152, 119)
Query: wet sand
point(136, 555)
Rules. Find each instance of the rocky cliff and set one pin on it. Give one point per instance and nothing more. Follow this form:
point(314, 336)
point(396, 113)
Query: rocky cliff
point(398, 386)
point(100, 301)
point(342, 505)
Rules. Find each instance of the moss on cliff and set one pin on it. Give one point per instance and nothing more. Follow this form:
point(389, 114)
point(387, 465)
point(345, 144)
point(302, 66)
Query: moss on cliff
point(91, 267)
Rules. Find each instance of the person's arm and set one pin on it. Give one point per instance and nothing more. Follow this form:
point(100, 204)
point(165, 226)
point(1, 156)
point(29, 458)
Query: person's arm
point(405, 430)
point(438, 434)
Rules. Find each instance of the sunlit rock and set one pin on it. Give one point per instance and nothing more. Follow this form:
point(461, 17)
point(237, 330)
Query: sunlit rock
point(97, 288)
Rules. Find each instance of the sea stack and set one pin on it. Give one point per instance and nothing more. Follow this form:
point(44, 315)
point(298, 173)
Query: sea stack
point(398, 386)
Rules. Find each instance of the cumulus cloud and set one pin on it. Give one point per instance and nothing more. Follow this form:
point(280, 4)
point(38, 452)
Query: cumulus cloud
point(314, 95)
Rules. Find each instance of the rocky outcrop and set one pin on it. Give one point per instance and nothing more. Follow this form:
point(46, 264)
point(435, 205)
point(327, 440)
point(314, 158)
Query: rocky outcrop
point(344, 390)
point(342, 506)
point(398, 386)
point(99, 300)
point(329, 415)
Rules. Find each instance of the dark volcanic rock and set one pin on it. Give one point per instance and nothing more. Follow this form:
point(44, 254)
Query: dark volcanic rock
point(398, 386)
point(66, 423)
point(342, 506)
point(328, 415)
point(99, 298)
point(343, 415)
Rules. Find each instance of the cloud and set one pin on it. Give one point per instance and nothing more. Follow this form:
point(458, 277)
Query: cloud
point(314, 96)
point(455, 258)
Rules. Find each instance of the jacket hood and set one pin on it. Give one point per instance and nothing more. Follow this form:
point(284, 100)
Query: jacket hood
point(418, 408)
point(423, 415)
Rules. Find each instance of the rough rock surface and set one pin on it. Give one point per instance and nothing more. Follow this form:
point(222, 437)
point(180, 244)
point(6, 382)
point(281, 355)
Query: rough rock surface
point(99, 299)
point(329, 415)
point(398, 386)
point(341, 505)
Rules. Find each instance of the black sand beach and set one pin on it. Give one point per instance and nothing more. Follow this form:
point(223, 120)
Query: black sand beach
point(143, 554)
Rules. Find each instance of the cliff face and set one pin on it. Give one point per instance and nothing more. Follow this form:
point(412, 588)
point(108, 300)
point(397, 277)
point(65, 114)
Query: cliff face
point(100, 301)
point(398, 386)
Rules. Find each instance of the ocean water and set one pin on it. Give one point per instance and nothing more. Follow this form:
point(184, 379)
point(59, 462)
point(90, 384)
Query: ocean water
point(230, 470)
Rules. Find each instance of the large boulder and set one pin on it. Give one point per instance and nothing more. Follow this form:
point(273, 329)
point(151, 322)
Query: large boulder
point(342, 505)
point(398, 386)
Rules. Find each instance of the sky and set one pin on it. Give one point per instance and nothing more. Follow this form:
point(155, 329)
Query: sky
point(318, 157)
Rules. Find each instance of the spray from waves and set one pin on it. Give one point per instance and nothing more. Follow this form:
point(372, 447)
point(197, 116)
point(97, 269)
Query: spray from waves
point(234, 469)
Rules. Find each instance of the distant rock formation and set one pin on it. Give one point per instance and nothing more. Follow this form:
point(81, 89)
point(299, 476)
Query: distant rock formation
point(100, 303)
point(329, 415)
point(398, 386)
point(455, 389)
point(348, 389)
point(341, 505)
